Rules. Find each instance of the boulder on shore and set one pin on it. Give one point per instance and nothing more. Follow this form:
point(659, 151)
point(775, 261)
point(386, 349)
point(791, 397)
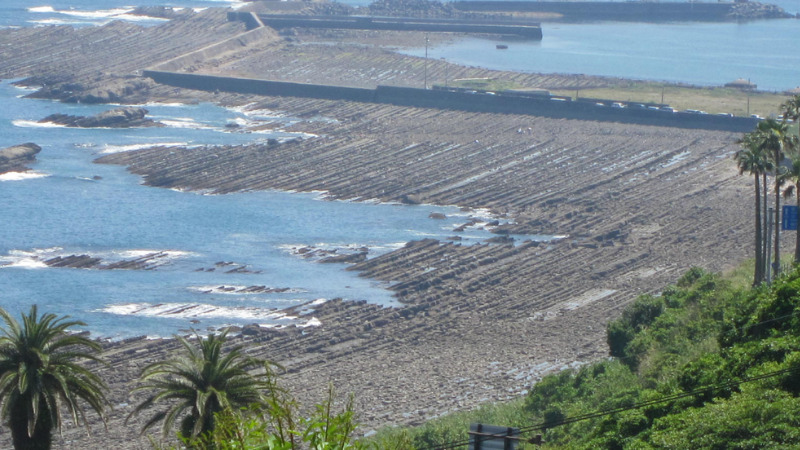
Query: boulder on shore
point(115, 118)
point(15, 158)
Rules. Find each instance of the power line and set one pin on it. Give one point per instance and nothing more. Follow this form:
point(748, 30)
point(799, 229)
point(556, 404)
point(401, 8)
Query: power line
point(544, 425)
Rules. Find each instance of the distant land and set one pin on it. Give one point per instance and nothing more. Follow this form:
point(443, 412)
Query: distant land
point(644, 11)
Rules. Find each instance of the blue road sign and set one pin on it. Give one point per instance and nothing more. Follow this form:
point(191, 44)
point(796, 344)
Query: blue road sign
point(789, 221)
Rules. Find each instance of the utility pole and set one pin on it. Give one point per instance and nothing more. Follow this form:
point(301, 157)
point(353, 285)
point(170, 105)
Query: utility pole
point(426, 61)
point(768, 242)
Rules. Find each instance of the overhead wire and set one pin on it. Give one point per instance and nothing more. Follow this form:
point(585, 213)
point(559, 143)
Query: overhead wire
point(588, 416)
point(545, 425)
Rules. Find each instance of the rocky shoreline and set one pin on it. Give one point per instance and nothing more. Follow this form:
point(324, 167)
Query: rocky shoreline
point(635, 206)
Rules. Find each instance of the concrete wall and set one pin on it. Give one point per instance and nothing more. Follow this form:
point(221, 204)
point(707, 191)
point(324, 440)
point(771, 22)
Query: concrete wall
point(555, 107)
point(260, 87)
point(527, 30)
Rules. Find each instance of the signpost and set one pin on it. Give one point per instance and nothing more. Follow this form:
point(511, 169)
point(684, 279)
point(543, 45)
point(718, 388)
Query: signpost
point(789, 221)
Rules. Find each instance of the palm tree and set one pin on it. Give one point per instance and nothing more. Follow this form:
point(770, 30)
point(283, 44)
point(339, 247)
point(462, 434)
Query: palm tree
point(201, 382)
point(751, 159)
point(39, 377)
point(791, 110)
point(771, 137)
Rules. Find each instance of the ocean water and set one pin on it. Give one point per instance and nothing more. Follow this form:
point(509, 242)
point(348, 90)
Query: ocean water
point(70, 206)
point(78, 13)
point(704, 54)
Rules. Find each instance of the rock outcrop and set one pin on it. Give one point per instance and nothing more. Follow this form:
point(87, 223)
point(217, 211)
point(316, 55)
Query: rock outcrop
point(115, 118)
point(15, 158)
point(755, 10)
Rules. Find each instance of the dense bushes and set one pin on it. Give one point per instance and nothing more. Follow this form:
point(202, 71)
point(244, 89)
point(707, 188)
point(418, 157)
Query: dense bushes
point(715, 353)
point(703, 365)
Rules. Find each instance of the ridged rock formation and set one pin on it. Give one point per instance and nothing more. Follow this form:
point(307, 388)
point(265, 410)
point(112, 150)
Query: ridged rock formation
point(115, 118)
point(15, 158)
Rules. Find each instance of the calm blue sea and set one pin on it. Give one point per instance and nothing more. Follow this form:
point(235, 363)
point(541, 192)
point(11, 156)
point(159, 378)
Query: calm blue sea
point(68, 205)
point(705, 54)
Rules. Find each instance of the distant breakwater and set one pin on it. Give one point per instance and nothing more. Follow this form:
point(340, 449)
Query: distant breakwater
point(632, 10)
point(524, 30)
point(457, 99)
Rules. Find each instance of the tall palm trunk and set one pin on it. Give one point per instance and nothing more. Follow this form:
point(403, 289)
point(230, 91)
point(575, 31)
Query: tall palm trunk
point(776, 265)
point(759, 271)
point(42, 438)
point(765, 225)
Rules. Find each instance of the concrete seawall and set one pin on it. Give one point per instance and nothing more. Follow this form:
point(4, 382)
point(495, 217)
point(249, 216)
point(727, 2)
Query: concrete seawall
point(525, 30)
point(553, 107)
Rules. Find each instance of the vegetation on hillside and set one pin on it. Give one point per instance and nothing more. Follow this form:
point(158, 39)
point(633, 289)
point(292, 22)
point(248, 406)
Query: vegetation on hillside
point(703, 365)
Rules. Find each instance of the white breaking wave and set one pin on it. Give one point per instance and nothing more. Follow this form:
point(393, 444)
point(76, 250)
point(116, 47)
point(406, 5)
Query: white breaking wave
point(34, 124)
point(99, 17)
point(20, 176)
point(140, 18)
point(126, 254)
point(194, 311)
point(42, 9)
point(56, 22)
point(24, 263)
point(35, 258)
point(27, 259)
point(185, 122)
point(155, 104)
point(98, 14)
point(313, 322)
point(131, 147)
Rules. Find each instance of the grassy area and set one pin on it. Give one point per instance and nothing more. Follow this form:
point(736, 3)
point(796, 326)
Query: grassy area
point(711, 100)
point(483, 84)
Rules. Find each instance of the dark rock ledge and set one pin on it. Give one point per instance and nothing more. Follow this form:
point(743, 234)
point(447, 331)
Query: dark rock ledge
point(15, 158)
point(115, 118)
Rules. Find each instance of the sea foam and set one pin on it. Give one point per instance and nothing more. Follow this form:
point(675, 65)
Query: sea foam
point(34, 124)
point(194, 311)
point(21, 176)
point(131, 147)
